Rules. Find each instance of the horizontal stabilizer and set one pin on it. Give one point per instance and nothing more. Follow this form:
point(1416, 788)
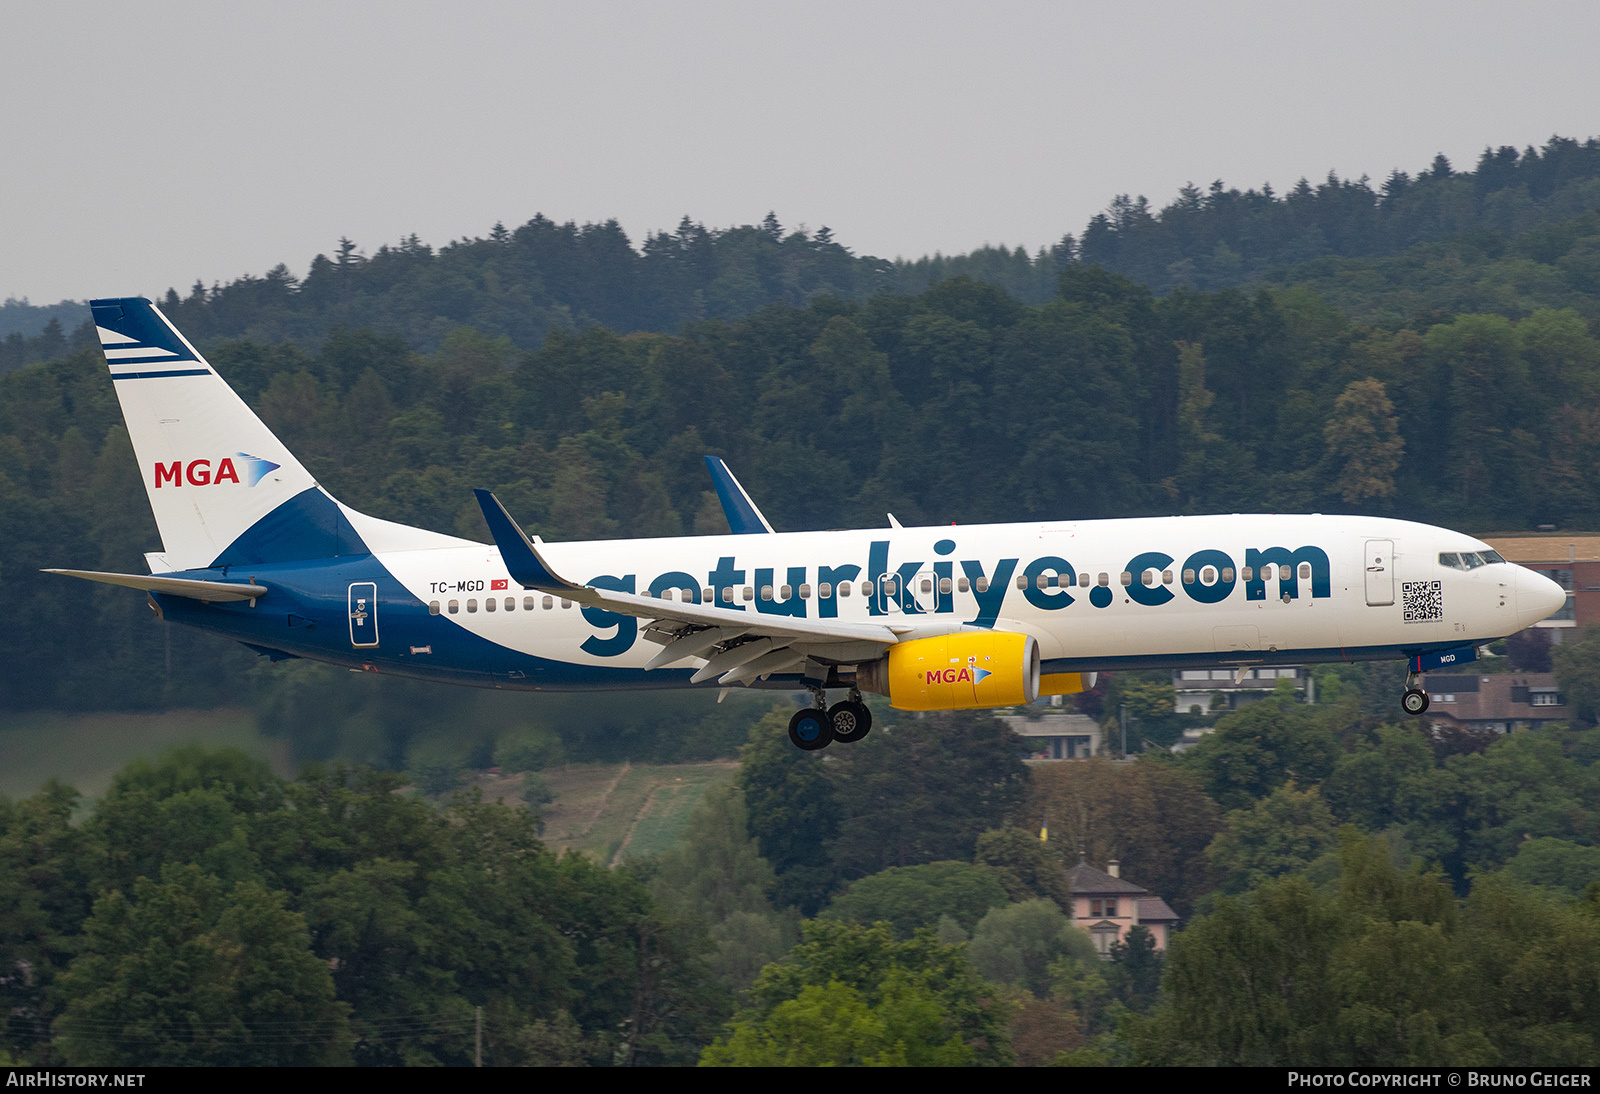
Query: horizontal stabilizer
point(743, 516)
point(211, 591)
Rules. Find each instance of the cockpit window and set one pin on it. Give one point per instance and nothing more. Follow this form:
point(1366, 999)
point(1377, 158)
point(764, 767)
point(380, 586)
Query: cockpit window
point(1468, 560)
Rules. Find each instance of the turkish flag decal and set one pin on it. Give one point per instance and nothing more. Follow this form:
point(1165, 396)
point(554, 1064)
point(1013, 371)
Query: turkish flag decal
point(501, 584)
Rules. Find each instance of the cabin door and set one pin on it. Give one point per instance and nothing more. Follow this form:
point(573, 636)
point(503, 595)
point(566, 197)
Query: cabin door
point(1380, 572)
point(364, 614)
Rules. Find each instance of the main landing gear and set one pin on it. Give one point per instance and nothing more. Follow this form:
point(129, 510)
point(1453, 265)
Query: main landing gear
point(1415, 700)
point(818, 726)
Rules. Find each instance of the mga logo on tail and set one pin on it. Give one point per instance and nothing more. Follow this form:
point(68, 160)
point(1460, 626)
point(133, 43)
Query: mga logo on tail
point(203, 473)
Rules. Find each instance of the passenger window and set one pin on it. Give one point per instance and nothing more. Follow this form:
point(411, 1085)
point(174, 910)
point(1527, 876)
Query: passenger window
point(824, 590)
point(805, 592)
point(1208, 575)
point(708, 596)
point(750, 593)
point(472, 605)
point(1166, 577)
point(528, 603)
point(766, 592)
point(565, 603)
point(888, 586)
point(944, 586)
point(455, 606)
point(785, 592)
point(866, 588)
point(511, 603)
point(1083, 581)
point(982, 585)
point(1245, 574)
point(927, 585)
point(1188, 577)
point(1305, 571)
point(1148, 577)
point(727, 595)
point(549, 602)
point(433, 607)
point(1022, 581)
point(1105, 580)
point(1127, 578)
point(961, 583)
point(1227, 573)
point(1042, 582)
point(489, 605)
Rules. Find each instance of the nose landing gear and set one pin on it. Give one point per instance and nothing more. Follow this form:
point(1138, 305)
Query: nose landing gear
point(818, 726)
point(1415, 700)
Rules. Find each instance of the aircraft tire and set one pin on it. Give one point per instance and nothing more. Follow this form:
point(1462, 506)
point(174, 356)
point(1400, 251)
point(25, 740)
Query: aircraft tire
point(810, 729)
point(1414, 701)
point(851, 721)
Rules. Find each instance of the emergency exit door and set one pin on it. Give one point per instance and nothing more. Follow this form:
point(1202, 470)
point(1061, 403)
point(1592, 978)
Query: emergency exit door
point(1380, 572)
point(364, 614)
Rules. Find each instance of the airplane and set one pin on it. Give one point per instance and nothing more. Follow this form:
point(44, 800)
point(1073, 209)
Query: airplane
point(932, 618)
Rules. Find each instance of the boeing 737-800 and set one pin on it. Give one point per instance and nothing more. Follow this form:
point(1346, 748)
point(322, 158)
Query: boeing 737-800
point(932, 618)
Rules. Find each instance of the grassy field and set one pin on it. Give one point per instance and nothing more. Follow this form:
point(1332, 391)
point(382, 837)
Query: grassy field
point(616, 811)
point(85, 750)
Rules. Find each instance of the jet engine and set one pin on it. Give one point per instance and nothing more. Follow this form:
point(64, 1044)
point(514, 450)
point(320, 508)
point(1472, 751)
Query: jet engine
point(967, 670)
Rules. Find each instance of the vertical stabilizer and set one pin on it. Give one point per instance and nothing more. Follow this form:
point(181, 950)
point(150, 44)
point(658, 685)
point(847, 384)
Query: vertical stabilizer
point(212, 469)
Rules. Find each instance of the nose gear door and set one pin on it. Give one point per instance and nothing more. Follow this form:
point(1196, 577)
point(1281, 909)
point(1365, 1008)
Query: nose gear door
point(1380, 572)
point(364, 614)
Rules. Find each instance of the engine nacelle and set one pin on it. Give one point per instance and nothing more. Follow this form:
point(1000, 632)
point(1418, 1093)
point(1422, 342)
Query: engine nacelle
point(967, 670)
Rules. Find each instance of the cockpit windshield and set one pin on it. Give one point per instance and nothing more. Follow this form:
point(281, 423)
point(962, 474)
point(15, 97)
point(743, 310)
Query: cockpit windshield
point(1468, 560)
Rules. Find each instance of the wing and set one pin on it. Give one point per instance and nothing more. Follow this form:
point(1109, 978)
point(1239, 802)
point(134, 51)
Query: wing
point(737, 647)
point(743, 516)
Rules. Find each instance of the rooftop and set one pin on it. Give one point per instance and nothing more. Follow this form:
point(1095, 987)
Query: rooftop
point(1087, 881)
point(1551, 547)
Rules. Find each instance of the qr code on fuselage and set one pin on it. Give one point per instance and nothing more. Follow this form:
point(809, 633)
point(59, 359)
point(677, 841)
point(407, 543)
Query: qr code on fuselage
point(1421, 601)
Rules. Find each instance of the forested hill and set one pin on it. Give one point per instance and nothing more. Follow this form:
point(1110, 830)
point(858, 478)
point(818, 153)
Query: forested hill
point(1413, 244)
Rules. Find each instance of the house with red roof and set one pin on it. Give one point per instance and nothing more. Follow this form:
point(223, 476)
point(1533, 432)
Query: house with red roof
point(1109, 906)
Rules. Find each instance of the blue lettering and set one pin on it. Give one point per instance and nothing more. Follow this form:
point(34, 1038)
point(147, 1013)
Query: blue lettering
point(627, 626)
point(828, 606)
point(1209, 594)
point(793, 606)
point(877, 566)
point(677, 579)
point(990, 600)
point(1141, 593)
point(726, 577)
point(1288, 571)
point(1041, 598)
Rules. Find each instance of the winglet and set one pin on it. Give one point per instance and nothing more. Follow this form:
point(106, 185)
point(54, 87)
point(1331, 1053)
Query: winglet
point(521, 557)
point(743, 516)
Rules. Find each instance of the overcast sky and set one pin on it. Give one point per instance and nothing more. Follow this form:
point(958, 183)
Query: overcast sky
point(148, 145)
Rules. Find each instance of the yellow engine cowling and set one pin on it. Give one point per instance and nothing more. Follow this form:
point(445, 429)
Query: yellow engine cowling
point(963, 671)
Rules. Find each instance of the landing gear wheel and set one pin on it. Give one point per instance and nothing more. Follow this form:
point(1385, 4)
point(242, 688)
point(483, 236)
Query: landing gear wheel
point(851, 721)
point(1414, 701)
point(810, 729)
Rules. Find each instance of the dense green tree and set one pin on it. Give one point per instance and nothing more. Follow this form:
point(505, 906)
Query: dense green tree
point(793, 814)
point(922, 790)
point(1016, 944)
point(1282, 833)
point(190, 971)
point(1259, 748)
point(1025, 865)
point(912, 897)
point(945, 1009)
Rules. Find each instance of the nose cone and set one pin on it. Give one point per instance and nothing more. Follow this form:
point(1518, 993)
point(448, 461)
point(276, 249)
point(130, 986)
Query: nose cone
point(1537, 597)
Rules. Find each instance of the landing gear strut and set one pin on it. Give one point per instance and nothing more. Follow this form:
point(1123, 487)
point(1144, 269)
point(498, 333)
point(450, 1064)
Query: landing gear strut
point(817, 726)
point(1415, 700)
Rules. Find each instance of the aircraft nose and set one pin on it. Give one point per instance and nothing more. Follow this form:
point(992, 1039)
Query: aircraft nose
point(1537, 597)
